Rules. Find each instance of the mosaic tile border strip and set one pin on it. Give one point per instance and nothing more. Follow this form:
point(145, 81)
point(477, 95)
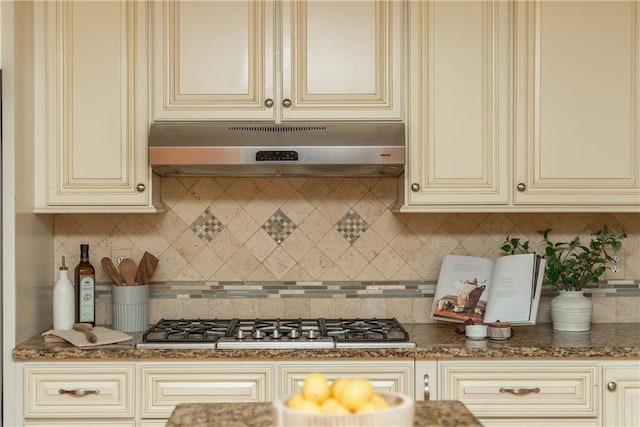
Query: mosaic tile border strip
point(381, 289)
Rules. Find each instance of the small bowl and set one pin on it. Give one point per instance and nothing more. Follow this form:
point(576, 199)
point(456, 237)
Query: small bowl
point(476, 332)
point(400, 413)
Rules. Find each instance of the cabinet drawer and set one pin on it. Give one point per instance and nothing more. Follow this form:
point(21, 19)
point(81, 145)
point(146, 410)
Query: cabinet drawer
point(73, 390)
point(163, 387)
point(83, 423)
point(388, 376)
point(555, 389)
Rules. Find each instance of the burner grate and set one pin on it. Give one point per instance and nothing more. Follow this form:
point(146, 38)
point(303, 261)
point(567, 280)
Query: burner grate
point(290, 333)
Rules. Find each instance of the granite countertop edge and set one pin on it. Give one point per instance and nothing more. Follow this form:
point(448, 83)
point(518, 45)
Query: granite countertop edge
point(433, 341)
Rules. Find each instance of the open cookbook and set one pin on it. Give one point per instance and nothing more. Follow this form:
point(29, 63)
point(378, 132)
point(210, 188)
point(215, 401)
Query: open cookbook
point(484, 290)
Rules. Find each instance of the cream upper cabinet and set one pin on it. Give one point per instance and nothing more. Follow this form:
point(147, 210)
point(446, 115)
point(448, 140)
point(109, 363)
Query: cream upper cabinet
point(458, 121)
point(523, 106)
point(277, 61)
point(577, 116)
point(94, 72)
point(213, 60)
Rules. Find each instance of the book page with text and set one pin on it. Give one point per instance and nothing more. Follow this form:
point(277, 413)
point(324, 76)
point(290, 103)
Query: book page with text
point(512, 289)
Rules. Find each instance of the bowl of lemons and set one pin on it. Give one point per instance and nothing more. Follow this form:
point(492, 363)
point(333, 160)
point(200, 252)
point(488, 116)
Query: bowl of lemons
point(343, 402)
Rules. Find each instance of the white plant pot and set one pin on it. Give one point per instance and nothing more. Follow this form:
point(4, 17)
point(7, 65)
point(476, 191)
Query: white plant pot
point(571, 311)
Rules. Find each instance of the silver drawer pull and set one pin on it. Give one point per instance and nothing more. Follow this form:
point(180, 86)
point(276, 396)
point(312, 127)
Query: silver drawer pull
point(427, 391)
point(519, 391)
point(78, 393)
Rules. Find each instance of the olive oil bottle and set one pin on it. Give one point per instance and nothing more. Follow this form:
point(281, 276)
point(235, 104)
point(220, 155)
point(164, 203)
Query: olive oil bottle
point(85, 282)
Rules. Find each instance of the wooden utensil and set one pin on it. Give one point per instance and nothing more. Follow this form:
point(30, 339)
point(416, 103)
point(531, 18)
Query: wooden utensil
point(128, 269)
point(146, 268)
point(86, 329)
point(111, 270)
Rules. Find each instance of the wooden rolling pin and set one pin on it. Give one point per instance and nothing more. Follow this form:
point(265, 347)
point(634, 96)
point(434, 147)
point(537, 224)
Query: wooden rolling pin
point(86, 328)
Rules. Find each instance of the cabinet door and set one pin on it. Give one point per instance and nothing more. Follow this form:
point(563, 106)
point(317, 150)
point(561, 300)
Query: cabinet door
point(95, 107)
point(388, 376)
point(213, 60)
point(578, 103)
point(342, 60)
point(621, 388)
point(458, 141)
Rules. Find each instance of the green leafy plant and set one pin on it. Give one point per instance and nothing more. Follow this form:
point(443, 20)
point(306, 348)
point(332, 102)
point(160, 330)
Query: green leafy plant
point(570, 265)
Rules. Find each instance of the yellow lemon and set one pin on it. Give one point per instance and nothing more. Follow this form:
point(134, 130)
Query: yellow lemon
point(341, 410)
point(315, 388)
point(294, 401)
point(355, 393)
point(366, 407)
point(379, 402)
point(338, 386)
point(308, 406)
point(329, 406)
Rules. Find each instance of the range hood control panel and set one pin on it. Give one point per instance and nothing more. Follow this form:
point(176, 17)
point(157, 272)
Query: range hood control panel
point(277, 156)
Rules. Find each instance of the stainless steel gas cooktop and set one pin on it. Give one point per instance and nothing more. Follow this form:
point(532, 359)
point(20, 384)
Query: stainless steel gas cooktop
point(276, 334)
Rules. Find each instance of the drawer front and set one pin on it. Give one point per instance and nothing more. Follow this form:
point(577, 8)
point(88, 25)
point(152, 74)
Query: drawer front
point(166, 386)
point(522, 389)
point(547, 422)
point(390, 376)
point(94, 423)
point(73, 390)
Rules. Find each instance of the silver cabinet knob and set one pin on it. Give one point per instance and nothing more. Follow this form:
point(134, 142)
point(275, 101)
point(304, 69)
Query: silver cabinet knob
point(140, 187)
point(268, 102)
point(286, 103)
point(415, 187)
point(611, 386)
point(522, 186)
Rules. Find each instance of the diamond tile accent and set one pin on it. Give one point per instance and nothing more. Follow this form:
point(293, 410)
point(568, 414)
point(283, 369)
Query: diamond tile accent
point(351, 226)
point(279, 226)
point(206, 226)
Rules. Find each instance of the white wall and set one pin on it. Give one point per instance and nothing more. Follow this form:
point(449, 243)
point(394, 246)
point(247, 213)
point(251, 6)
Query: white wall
point(27, 243)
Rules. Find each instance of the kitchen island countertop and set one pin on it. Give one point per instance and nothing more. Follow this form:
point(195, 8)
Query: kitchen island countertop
point(427, 414)
point(433, 341)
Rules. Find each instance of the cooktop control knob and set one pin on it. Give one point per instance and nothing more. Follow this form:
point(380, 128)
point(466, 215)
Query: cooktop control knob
point(258, 334)
point(276, 334)
point(312, 334)
point(294, 334)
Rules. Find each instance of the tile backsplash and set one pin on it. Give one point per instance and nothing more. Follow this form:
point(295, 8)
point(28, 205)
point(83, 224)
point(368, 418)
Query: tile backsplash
point(311, 230)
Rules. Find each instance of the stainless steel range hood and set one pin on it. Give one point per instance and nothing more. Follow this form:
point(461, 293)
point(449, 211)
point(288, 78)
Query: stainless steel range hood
point(297, 149)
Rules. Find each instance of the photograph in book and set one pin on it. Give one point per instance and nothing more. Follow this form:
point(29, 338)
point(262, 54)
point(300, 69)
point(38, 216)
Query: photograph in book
point(483, 290)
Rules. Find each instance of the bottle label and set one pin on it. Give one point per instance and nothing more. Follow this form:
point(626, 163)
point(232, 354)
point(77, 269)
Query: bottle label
point(86, 305)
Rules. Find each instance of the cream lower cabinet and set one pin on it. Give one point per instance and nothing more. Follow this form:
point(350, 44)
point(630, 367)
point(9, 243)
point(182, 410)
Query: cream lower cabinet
point(524, 393)
point(71, 393)
point(277, 60)
point(621, 393)
point(166, 384)
point(529, 106)
point(91, 131)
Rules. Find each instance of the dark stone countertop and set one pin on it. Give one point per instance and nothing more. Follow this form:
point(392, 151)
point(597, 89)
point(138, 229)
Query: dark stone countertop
point(433, 341)
point(427, 414)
